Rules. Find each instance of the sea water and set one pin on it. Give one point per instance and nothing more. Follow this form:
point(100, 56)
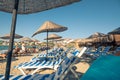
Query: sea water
point(3, 47)
point(6, 47)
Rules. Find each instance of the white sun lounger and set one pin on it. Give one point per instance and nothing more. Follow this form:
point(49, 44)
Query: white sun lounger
point(37, 65)
point(60, 74)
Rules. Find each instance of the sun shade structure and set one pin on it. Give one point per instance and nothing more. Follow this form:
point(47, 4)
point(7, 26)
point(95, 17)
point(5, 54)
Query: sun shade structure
point(49, 26)
point(26, 7)
point(97, 34)
point(32, 6)
point(35, 40)
point(7, 36)
point(115, 35)
point(98, 37)
point(116, 31)
point(25, 39)
point(53, 36)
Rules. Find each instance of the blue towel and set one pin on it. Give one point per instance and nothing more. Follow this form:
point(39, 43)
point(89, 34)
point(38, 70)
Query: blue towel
point(104, 68)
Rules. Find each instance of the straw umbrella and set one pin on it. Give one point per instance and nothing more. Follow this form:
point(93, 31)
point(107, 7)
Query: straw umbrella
point(53, 37)
point(83, 41)
point(35, 40)
point(25, 39)
point(97, 36)
point(115, 31)
point(115, 35)
point(7, 36)
point(49, 26)
point(26, 7)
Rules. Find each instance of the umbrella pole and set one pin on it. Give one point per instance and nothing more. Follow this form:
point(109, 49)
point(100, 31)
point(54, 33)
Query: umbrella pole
point(47, 42)
point(11, 42)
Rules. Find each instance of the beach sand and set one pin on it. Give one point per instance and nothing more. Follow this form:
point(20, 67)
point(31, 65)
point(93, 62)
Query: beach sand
point(81, 67)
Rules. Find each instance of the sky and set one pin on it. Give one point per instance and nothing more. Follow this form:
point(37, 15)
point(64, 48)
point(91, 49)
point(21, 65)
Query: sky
point(82, 18)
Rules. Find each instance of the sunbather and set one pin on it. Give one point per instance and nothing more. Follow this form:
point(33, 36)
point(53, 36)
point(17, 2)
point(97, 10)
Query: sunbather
point(23, 49)
point(16, 50)
point(3, 54)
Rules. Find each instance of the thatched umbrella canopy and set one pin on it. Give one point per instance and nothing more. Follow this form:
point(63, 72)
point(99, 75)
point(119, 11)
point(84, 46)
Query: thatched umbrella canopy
point(7, 36)
point(24, 39)
point(49, 26)
point(100, 39)
point(115, 31)
point(26, 7)
point(77, 40)
point(86, 42)
point(60, 39)
point(53, 36)
point(117, 39)
point(32, 6)
point(115, 35)
point(35, 40)
point(97, 37)
point(97, 34)
point(83, 42)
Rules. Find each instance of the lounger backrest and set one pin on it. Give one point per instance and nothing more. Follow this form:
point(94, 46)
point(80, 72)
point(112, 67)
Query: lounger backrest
point(65, 65)
point(99, 49)
point(82, 51)
point(106, 49)
point(89, 49)
point(117, 49)
point(62, 68)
